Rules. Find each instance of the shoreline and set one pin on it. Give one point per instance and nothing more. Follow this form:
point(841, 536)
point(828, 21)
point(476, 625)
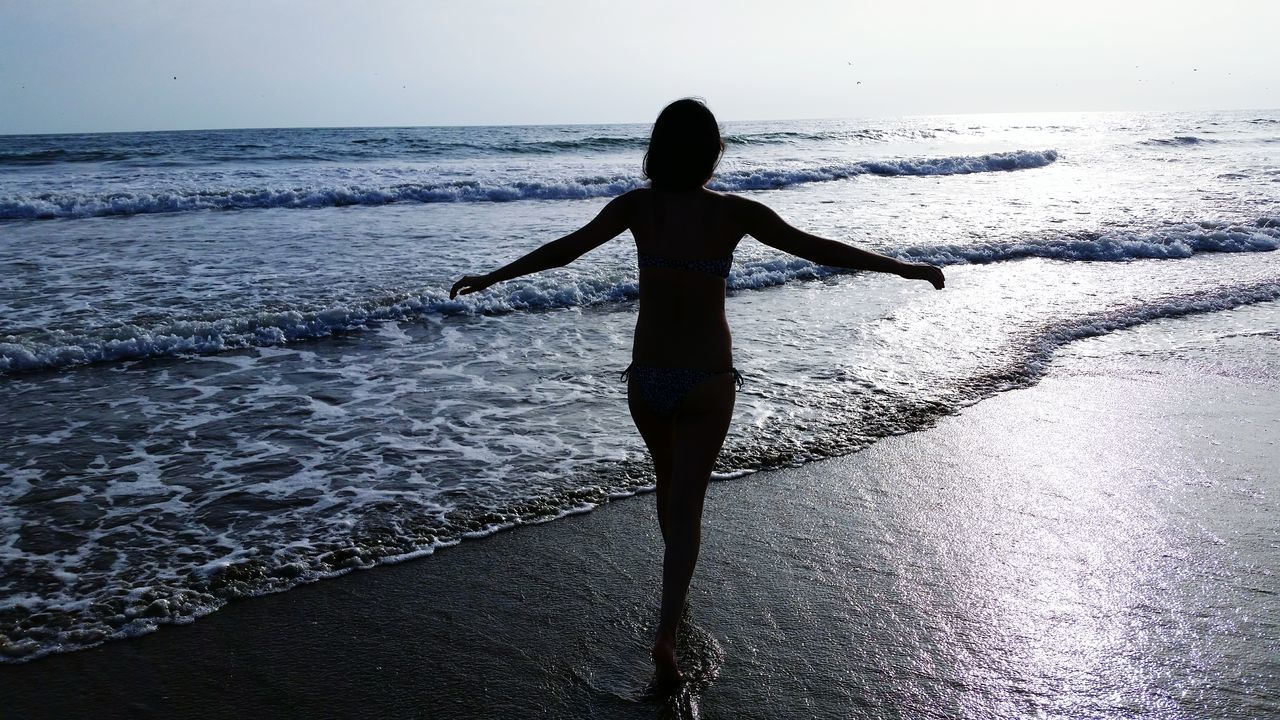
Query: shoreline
point(932, 570)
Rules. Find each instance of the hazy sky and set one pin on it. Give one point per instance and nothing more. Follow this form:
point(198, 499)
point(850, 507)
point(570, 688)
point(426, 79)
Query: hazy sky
point(168, 64)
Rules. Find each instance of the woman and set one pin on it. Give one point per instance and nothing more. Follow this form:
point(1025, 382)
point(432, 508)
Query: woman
point(681, 381)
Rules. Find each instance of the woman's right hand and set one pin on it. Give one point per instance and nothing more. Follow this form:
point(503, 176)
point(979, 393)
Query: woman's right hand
point(469, 284)
point(925, 271)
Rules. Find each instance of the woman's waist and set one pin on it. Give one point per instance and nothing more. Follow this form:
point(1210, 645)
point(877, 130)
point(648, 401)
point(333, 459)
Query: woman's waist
point(689, 316)
point(704, 352)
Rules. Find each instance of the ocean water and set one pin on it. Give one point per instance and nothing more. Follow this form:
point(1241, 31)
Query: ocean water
point(229, 364)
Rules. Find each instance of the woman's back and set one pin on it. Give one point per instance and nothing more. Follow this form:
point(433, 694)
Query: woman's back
point(685, 241)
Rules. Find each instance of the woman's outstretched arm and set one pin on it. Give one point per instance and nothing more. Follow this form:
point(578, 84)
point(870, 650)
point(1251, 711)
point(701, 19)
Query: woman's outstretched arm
point(764, 225)
point(612, 220)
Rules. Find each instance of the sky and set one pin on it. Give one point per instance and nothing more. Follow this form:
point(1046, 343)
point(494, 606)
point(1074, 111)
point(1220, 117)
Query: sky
point(70, 66)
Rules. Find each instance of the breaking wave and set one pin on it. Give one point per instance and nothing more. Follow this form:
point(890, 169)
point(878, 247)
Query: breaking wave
point(52, 205)
point(44, 350)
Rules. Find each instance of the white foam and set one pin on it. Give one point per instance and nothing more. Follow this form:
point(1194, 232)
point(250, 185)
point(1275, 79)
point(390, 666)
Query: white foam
point(1047, 340)
point(1178, 241)
point(266, 329)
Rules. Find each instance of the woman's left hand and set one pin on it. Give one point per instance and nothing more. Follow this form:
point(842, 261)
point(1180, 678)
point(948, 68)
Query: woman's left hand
point(925, 271)
point(469, 284)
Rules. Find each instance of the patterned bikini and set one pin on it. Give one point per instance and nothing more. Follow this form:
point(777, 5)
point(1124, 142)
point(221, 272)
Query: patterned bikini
point(665, 388)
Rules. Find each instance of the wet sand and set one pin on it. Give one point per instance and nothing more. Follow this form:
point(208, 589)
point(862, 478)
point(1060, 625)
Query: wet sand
point(1102, 544)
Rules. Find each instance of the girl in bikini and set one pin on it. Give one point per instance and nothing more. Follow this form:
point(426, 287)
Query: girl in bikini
point(680, 385)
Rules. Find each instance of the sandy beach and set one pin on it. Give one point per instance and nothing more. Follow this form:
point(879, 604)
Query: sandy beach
point(342, 350)
point(1097, 545)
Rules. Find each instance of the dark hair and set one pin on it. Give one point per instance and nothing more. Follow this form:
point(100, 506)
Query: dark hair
point(685, 146)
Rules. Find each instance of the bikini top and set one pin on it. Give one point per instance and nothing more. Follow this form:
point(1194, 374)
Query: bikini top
point(718, 267)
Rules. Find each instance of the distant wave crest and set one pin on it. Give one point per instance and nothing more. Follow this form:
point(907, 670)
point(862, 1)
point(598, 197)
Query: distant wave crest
point(962, 165)
point(44, 206)
point(1178, 141)
point(592, 143)
point(266, 146)
point(58, 155)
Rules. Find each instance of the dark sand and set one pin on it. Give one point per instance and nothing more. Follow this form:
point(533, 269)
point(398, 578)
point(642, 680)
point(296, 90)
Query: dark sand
point(1095, 546)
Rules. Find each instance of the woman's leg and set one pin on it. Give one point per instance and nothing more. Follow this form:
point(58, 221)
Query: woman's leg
point(698, 431)
point(657, 433)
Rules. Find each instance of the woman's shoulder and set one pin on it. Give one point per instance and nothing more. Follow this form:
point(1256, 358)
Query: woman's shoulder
point(729, 200)
point(740, 209)
point(724, 202)
point(632, 199)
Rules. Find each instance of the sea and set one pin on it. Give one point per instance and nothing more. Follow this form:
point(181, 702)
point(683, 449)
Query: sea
point(229, 364)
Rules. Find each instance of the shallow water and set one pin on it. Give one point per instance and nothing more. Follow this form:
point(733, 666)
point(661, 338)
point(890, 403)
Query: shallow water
point(230, 364)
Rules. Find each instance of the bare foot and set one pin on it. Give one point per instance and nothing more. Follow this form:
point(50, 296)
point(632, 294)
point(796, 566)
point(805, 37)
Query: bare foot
point(664, 661)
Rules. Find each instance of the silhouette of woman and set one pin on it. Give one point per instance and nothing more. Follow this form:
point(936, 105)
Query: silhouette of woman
point(680, 385)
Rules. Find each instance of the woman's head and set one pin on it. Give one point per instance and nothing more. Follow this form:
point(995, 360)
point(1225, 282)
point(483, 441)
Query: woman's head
point(685, 146)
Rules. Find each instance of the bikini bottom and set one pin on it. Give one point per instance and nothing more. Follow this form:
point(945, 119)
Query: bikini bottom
point(664, 388)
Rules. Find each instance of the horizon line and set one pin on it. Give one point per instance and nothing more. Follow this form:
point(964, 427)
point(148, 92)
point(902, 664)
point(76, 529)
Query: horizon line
point(585, 124)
